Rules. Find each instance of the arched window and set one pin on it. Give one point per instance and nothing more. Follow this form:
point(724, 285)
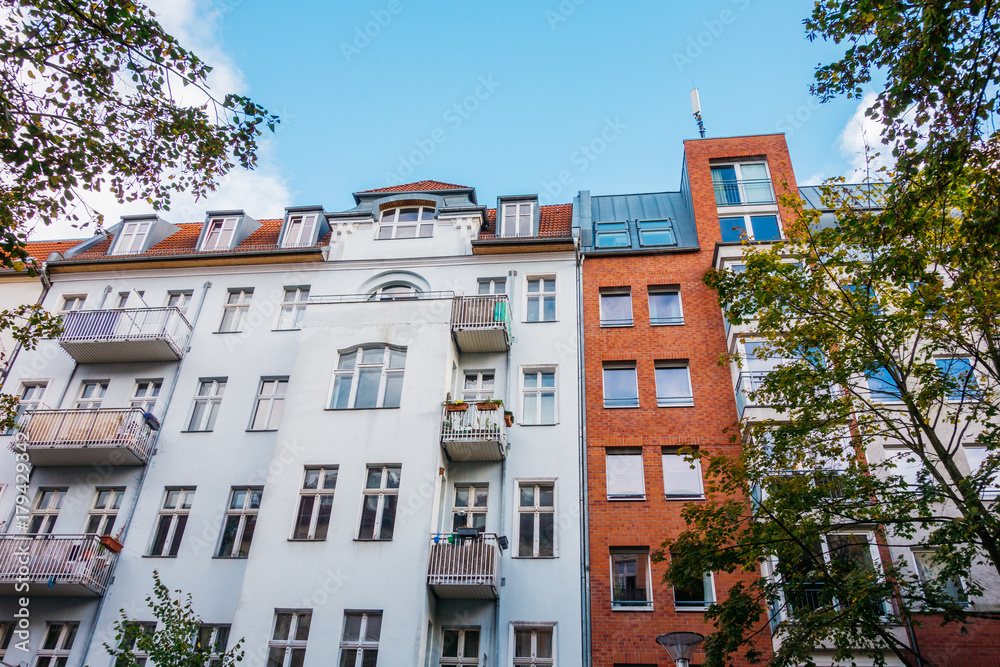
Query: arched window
point(369, 376)
point(406, 223)
point(394, 292)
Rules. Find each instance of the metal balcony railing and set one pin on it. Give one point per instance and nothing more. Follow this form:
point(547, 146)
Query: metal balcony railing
point(86, 437)
point(62, 565)
point(475, 434)
point(749, 191)
point(125, 335)
point(748, 383)
point(464, 568)
point(481, 323)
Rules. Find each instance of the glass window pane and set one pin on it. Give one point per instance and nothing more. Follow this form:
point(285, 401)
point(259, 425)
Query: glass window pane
point(347, 361)
point(373, 629)
point(530, 380)
point(397, 358)
point(526, 535)
point(275, 657)
point(175, 545)
point(368, 384)
point(388, 517)
point(282, 625)
point(323, 520)
point(543, 643)
point(229, 530)
point(471, 644)
point(330, 479)
point(298, 657)
point(312, 478)
point(304, 517)
point(367, 531)
point(522, 643)
point(369, 657)
point(372, 355)
point(349, 657)
point(733, 229)
point(672, 385)
point(462, 496)
point(302, 627)
point(529, 415)
point(548, 379)
point(549, 314)
point(408, 215)
point(546, 496)
point(620, 388)
point(664, 307)
point(679, 479)
point(625, 476)
point(765, 227)
point(548, 415)
point(481, 495)
point(248, 529)
point(527, 496)
point(393, 390)
point(533, 309)
point(352, 627)
point(449, 644)
point(374, 479)
point(616, 309)
point(546, 534)
point(341, 392)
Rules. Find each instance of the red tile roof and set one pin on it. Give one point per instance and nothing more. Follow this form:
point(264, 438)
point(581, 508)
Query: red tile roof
point(556, 220)
point(419, 186)
point(41, 250)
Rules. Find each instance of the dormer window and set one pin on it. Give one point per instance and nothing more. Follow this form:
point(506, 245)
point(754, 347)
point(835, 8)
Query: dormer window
point(219, 235)
point(132, 238)
point(406, 223)
point(299, 232)
point(517, 219)
point(656, 232)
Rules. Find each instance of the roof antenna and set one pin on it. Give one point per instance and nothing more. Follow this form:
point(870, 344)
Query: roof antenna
point(696, 110)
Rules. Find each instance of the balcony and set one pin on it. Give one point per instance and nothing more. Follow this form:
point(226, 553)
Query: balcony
point(464, 568)
point(474, 434)
point(744, 193)
point(748, 383)
point(55, 565)
point(117, 437)
point(481, 323)
point(127, 335)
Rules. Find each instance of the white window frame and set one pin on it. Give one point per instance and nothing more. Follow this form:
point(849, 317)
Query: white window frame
point(395, 291)
point(290, 644)
point(707, 579)
point(178, 516)
point(389, 224)
point(50, 657)
point(381, 493)
point(515, 210)
point(132, 237)
point(317, 494)
point(673, 401)
point(355, 375)
point(293, 309)
point(625, 451)
point(975, 461)
point(738, 168)
point(919, 570)
point(533, 661)
point(129, 643)
point(468, 512)
point(615, 292)
point(213, 403)
point(299, 231)
point(245, 515)
point(268, 401)
point(973, 387)
point(674, 451)
point(660, 290)
point(29, 400)
point(537, 510)
point(226, 229)
point(183, 300)
point(748, 224)
point(48, 514)
point(105, 515)
point(620, 402)
point(145, 392)
point(215, 649)
point(636, 605)
point(94, 401)
point(541, 295)
point(461, 660)
point(538, 370)
point(494, 286)
point(72, 303)
point(362, 644)
point(236, 312)
point(479, 393)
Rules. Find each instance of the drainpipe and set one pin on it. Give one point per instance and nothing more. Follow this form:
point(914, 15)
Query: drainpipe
point(142, 475)
point(503, 476)
point(584, 518)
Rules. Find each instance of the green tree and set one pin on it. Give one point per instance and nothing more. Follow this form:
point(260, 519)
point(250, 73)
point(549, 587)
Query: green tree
point(178, 639)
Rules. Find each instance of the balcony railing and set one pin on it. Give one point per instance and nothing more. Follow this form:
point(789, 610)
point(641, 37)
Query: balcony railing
point(86, 437)
point(739, 193)
point(475, 434)
point(464, 568)
point(748, 383)
point(125, 335)
point(481, 323)
point(55, 565)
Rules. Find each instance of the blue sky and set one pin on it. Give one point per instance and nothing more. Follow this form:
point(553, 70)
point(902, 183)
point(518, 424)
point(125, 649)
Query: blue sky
point(503, 96)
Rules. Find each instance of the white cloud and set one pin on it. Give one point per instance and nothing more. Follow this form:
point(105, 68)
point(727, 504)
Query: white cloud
point(262, 193)
point(861, 138)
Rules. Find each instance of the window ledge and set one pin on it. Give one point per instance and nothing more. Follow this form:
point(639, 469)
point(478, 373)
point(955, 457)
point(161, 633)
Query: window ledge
point(666, 324)
point(679, 497)
point(295, 329)
point(689, 404)
point(616, 607)
point(229, 557)
point(617, 326)
point(357, 409)
point(261, 430)
point(533, 425)
point(152, 556)
point(535, 557)
point(374, 539)
point(692, 609)
point(307, 539)
point(228, 332)
point(186, 431)
point(626, 498)
point(539, 321)
point(621, 407)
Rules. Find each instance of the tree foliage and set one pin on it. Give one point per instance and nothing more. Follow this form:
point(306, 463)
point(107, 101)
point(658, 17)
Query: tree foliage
point(92, 95)
point(177, 640)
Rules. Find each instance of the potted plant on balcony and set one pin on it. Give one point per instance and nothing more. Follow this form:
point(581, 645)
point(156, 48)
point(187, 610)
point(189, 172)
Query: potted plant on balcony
point(455, 406)
point(508, 418)
point(112, 543)
point(490, 405)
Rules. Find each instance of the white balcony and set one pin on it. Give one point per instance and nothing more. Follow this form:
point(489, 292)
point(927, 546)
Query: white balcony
point(464, 568)
point(481, 323)
point(474, 434)
point(55, 565)
point(117, 437)
point(125, 335)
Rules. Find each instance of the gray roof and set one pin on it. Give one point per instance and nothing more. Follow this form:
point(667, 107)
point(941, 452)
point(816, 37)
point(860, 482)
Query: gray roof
point(871, 194)
point(632, 208)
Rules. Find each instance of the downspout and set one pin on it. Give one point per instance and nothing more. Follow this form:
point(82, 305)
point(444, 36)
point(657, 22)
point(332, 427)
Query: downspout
point(503, 477)
point(584, 518)
point(142, 475)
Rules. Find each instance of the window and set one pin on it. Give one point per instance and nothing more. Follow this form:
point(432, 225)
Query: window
point(287, 647)
point(695, 594)
point(656, 233)
point(394, 292)
point(369, 377)
point(133, 631)
point(219, 235)
point(681, 478)
point(534, 646)
point(206, 404)
point(270, 403)
point(742, 183)
point(754, 227)
point(625, 474)
point(131, 238)
point(906, 465)
point(378, 504)
point(91, 395)
point(881, 387)
point(977, 458)
point(538, 405)
point(460, 646)
point(145, 393)
point(673, 385)
point(611, 235)
point(241, 519)
point(293, 308)
point(30, 399)
point(929, 570)
point(6, 632)
point(665, 306)
point(541, 300)
point(469, 510)
point(536, 520)
point(961, 379)
point(45, 511)
point(631, 582)
point(616, 307)
point(492, 286)
point(57, 644)
point(72, 302)
point(179, 300)
point(235, 310)
point(406, 223)
point(171, 522)
point(102, 516)
point(299, 232)
point(216, 639)
point(517, 219)
point(478, 386)
point(359, 643)
point(312, 521)
point(621, 389)
point(122, 299)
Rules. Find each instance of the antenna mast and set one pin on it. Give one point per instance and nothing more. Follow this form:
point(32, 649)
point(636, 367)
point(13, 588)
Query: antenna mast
point(696, 110)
